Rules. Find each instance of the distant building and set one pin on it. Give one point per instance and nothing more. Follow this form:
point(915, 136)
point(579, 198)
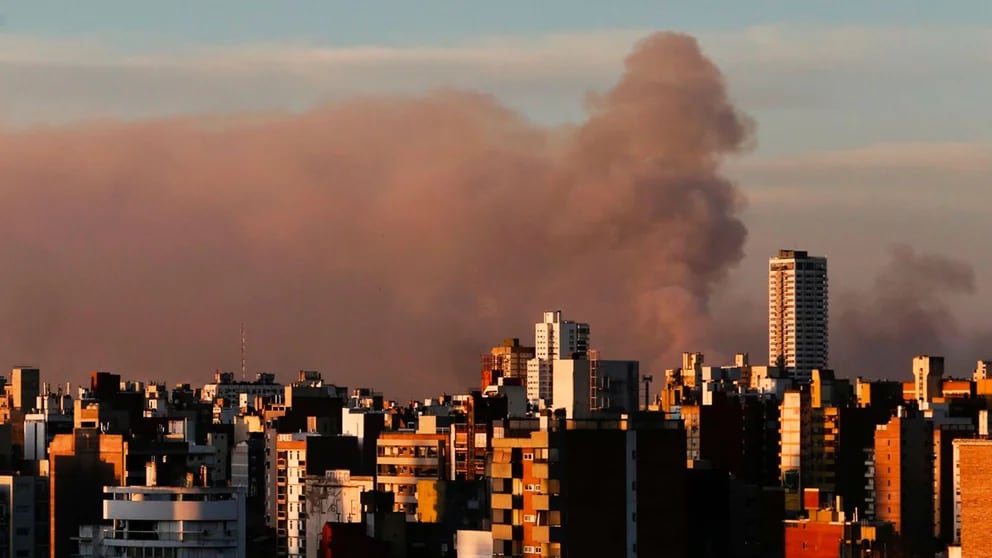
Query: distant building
point(928, 379)
point(552, 487)
point(798, 312)
point(904, 482)
point(365, 425)
point(810, 437)
point(297, 457)
point(973, 495)
point(25, 386)
point(826, 533)
point(879, 394)
point(53, 415)
point(983, 370)
point(23, 516)
point(168, 521)
point(554, 339)
point(403, 458)
point(248, 465)
point(506, 360)
point(794, 431)
point(225, 388)
point(335, 497)
point(470, 443)
point(945, 433)
point(587, 386)
point(81, 464)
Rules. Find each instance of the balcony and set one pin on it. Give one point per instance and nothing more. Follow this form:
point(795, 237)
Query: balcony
point(541, 533)
point(502, 532)
point(502, 501)
point(502, 470)
point(539, 470)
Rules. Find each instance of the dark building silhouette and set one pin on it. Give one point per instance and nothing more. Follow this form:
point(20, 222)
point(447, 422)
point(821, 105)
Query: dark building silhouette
point(81, 464)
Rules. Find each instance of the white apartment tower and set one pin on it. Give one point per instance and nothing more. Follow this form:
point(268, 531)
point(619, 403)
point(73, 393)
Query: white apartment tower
point(928, 378)
point(554, 339)
point(797, 312)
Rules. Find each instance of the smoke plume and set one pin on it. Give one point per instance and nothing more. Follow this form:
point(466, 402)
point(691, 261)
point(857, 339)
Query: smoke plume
point(385, 241)
point(906, 312)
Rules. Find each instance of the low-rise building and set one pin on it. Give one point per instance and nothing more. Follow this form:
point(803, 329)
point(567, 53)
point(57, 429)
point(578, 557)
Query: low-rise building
point(168, 522)
point(335, 497)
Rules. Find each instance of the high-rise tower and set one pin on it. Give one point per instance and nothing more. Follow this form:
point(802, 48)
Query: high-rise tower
point(797, 312)
point(554, 338)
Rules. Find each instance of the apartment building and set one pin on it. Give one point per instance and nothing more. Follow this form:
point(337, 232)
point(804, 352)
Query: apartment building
point(403, 458)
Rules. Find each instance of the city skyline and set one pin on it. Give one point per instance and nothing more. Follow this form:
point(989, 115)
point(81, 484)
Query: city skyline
point(550, 345)
point(448, 279)
point(262, 468)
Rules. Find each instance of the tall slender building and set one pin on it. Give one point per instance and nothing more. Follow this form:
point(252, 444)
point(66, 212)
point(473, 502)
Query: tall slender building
point(797, 312)
point(554, 339)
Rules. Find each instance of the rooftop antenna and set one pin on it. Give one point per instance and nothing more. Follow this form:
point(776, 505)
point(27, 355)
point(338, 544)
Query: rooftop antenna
point(243, 367)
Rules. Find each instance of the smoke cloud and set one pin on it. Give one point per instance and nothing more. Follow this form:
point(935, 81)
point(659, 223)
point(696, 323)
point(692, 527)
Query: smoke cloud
point(384, 241)
point(906, 312)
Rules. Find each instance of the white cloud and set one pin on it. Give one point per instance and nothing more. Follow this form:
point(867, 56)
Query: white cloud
point(809, 87)
point(53, 80)
point(920, 157)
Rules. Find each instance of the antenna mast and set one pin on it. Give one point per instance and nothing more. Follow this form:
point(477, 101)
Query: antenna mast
point(243, 367)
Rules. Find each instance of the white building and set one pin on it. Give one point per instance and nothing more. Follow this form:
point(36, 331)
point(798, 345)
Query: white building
point(168, 522)
point(230, 391)
point(928, 376)
point(334, 498)
point(288, 504)
point(554, 339)
point(53, 414)
point(473, 544)
point(797, 312)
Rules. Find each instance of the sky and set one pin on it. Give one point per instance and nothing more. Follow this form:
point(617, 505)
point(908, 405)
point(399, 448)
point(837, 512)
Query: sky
point(872, 119)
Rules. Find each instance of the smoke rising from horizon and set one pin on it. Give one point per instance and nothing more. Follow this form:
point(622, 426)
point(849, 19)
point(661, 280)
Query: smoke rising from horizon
point(385, 241)
point(906, 312)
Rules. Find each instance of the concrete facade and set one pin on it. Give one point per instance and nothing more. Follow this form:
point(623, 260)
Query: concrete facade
point(554, 339)
point(903, 482)
point(405, 457)
point(168, 522)
point(798, 312)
